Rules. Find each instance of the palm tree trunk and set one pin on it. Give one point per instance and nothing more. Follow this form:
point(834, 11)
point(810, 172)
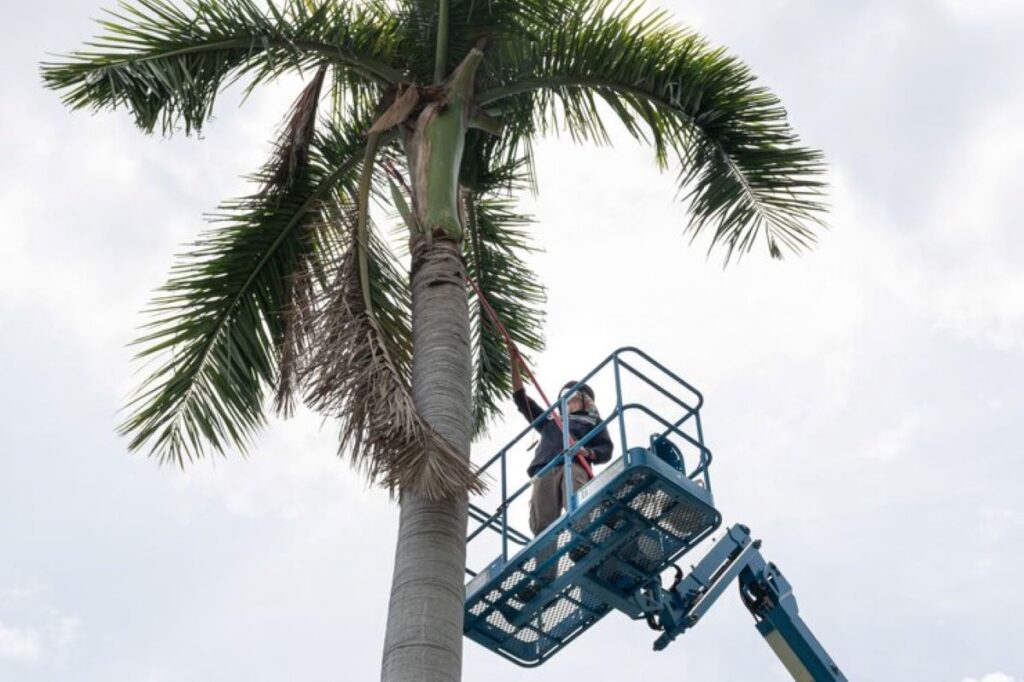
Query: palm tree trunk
point(423, 642)
point(424, 632)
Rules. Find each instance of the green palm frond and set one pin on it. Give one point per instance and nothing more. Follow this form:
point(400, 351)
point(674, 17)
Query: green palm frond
point(498, 163)
point(166, 61)
point(293, 292)
point(494, 21)
point(747, 176)
point(223, 318)
point(495, 251)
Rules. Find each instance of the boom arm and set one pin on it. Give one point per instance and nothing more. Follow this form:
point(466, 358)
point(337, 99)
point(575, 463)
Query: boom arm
point(765, 592)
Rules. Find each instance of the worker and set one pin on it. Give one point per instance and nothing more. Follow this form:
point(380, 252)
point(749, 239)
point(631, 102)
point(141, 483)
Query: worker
point(546, 503)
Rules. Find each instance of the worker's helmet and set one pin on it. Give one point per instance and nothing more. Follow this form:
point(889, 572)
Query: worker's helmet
point(583, 388)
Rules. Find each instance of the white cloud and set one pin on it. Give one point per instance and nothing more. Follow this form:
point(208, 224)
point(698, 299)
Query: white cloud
point(19, 645)
point(965, 269)
point(52, 632)
point(1000, 524)
point(26, 591)
point(159, 675)
point(985, 304)
point(97, 213)
point(984, 10)
point(991, 677)
point(64, 632)
point(893, 442)
point(294, 474)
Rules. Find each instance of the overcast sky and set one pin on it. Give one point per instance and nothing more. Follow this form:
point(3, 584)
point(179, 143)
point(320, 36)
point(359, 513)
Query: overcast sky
point(863, 401)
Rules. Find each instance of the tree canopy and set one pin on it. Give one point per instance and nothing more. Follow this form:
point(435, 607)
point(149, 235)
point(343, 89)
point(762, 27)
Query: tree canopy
point(293, 292)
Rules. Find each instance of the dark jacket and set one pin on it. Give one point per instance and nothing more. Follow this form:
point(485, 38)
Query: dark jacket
point(581, 423)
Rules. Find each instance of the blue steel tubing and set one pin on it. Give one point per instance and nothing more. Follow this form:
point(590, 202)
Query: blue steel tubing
point(494, 516)
point(567, 463)
point(538, 420)
point(507, 500)
point(519, 491)
point(618, 403)
point(488, 522)
point(677, 424)
point(618, 412)
point(705, 463)
point(621, 506)
point(690, 410)
point(670, 373)
point(568, 455)
point(611, 358)
point(705, 454)
point(582, 442)
point(643, 377)
point(481, 516)
point(590, 376)
point(504, 509)
point(658, 418)
point(487, 465)
point(544, 415)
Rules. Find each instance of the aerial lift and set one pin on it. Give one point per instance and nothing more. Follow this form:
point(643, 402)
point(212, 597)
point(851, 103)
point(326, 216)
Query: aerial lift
point(621, 532)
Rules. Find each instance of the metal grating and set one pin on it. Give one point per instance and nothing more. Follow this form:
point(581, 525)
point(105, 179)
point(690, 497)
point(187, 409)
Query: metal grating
point(630, 527)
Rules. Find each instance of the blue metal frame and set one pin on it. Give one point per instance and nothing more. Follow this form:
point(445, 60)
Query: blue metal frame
point(618, 533)
point(634, 520)
point(673, 428)
point(765, 592)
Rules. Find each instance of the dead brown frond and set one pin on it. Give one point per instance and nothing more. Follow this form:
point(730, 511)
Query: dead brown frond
point(292, 150)
point(298, 327)
point(352, 375)
point(400, 109)
point(291, 154)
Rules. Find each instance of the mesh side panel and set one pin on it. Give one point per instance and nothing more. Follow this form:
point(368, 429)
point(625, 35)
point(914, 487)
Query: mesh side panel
point(629, 486)
point(684, 522)
point(670, 523)
point(626, 536)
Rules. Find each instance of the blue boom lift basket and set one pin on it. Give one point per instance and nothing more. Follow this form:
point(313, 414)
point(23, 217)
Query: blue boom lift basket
point(620, 531)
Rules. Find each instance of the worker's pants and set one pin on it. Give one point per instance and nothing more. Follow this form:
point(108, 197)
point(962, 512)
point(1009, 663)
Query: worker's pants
point(546, 505)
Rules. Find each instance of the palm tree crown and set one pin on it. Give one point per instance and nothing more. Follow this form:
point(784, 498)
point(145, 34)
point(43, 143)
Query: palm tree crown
point(293, 292)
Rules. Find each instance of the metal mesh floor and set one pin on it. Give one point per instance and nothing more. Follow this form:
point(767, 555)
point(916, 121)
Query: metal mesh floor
point(633, 520)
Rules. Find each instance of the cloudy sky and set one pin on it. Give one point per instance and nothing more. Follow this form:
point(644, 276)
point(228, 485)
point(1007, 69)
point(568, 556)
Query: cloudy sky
point(863, 401)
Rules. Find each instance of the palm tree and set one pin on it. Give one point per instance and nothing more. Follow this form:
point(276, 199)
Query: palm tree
point(429, 107)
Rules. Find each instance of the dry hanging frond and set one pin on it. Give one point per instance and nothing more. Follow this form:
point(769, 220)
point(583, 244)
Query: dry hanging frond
point(399, 110)
point(292, 151)
point(352, 374)
point(298, 327)
point(291, 156)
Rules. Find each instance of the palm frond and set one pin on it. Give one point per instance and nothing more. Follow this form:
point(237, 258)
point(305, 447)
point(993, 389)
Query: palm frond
point(495, 258)
point(228, 309)
point(359, 372)
point(289, 163)
point(165, 61)
point(494, 21)
point(746, 174)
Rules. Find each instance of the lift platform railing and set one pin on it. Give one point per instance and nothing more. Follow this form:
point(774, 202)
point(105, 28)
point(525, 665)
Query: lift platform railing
point(621, 531)
point(633, 374)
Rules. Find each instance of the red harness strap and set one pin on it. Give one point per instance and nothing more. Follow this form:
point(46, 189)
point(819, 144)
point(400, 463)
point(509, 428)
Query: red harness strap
point(515, 352)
